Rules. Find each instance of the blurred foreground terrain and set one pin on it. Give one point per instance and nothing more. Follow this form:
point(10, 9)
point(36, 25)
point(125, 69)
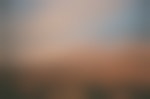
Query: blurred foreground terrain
point(81, 73)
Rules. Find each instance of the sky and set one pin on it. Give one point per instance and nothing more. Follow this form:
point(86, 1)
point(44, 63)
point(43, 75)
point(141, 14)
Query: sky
point(74, 21)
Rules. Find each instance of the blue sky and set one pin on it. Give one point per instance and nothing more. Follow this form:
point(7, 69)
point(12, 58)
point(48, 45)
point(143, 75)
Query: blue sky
point(127, 20)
